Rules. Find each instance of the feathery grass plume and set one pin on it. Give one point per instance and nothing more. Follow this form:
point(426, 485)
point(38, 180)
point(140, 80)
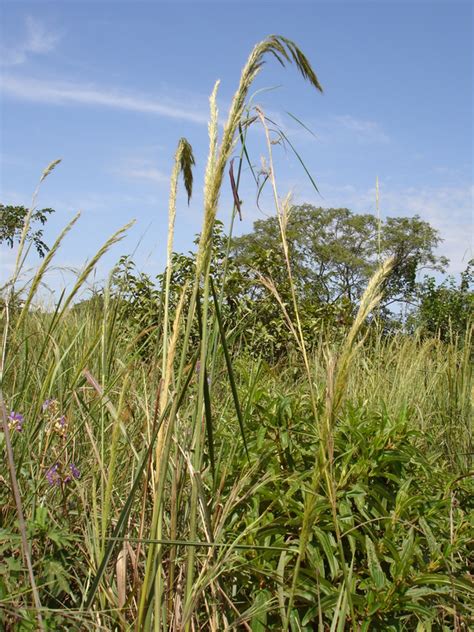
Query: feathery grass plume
point(186, 163)
point(114, 239)
point(43, 269)
point(183, 163)
point(284, 50)
point(243, 131)
point(338, 369)
point(26, 224)
point(283, 214)
point(213, 131)
point(52, 165)
point(370, 299)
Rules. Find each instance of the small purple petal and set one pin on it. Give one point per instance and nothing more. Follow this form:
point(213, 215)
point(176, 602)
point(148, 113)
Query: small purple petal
point(53, 476)
point(75, 471)
point(15, 421)
point(13, 416)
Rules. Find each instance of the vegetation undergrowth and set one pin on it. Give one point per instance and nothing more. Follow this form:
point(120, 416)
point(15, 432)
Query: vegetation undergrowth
point(163, 472)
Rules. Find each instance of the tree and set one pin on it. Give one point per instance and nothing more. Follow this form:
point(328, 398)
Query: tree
point(446, 309)
point(333, 253)
point(12, 220)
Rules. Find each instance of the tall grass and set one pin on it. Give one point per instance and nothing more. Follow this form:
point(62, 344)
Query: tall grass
point(217, 492)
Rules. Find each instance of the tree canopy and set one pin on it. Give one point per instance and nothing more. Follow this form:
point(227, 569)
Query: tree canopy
point(445, 309)
point(12, 220)
point(333, 252)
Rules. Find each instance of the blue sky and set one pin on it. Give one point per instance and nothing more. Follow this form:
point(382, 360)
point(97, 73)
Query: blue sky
point(110, 87)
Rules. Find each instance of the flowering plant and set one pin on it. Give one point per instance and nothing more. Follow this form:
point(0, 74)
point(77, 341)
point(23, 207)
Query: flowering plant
point(62, 471)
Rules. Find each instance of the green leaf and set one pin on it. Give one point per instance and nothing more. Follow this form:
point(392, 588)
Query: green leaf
point(432, 542)
point(329, 549)
point(406, 556)
point(258, 622)
point(464, 586)
point(14, 564)
point(230, 371)
point(375, 570)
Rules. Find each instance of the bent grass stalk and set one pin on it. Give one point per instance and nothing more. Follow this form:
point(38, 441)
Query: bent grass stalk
point(336, 381)
point(20, 258)
point(37, 279)
point(283, 50)
point(282, 211)
point(336, 377)
point(184, 161)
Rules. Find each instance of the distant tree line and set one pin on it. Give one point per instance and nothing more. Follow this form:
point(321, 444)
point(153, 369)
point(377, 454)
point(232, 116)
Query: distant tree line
point(332, 252)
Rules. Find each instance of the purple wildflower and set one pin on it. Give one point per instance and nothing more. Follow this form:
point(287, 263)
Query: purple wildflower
point(53, 476)
point(15, 421)
point(75, 471)
point(46, 404)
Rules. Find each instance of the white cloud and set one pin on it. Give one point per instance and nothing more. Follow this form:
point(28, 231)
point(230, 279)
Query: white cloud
point(37, 40)
point(63, 93)
point(449, 209)
point(147, 173)
point(140, 165)
point(141, 170)
point(364, 130)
